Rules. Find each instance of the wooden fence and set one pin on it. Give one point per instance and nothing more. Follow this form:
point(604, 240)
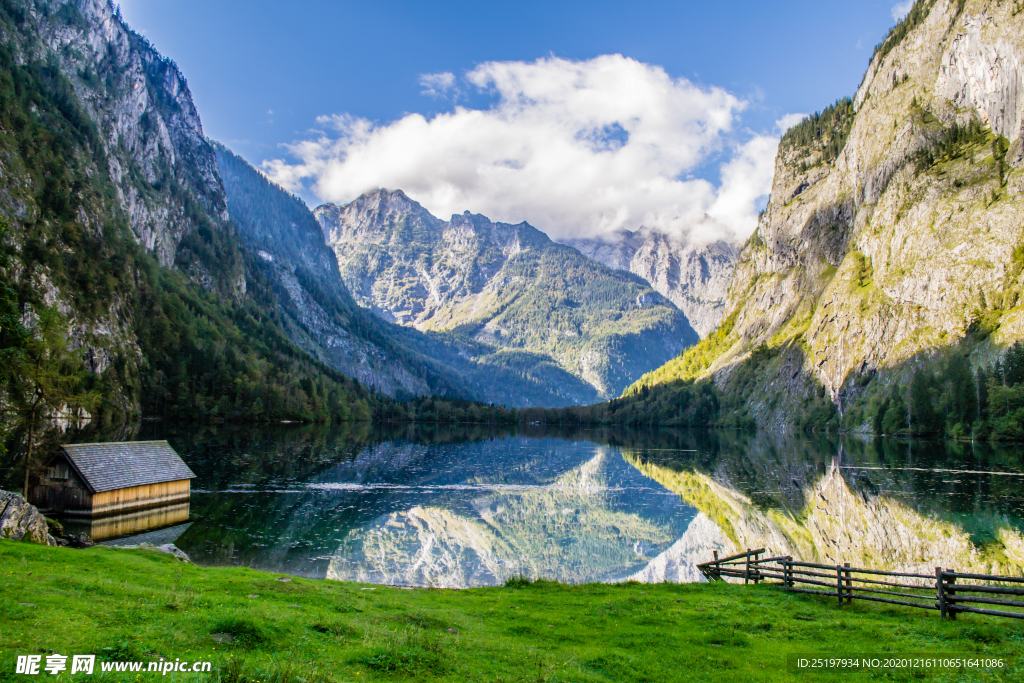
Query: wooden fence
point(948, 592)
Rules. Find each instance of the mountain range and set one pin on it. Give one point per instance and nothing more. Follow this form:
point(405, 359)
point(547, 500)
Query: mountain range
point(879, 292)
point(192, 286)
point(529, 300)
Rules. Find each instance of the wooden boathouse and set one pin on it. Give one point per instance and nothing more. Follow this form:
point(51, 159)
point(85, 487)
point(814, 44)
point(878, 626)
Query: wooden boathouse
point(100, 479)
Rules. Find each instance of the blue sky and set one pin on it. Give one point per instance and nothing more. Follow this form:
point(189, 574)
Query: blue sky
point(330, 91)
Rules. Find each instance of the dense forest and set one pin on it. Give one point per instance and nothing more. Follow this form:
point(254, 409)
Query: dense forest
point(947, 397)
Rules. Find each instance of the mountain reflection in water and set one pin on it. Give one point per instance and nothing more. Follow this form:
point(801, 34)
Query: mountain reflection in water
point(453, 507)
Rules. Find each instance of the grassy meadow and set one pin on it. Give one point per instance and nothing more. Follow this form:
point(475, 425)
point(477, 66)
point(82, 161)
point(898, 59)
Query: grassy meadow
point(254, 627)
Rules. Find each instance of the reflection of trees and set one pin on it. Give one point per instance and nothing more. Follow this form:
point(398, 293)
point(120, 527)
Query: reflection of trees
point(874, 503)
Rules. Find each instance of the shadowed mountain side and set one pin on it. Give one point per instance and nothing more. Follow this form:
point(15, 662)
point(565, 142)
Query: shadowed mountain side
point(119, 261)
point(506, 286)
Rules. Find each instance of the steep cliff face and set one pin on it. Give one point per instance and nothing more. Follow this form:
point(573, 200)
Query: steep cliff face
point(100, 134)
point(695, 277)
point(507, 287)
point(114, 219)
point(162, 167)
point(892, 229)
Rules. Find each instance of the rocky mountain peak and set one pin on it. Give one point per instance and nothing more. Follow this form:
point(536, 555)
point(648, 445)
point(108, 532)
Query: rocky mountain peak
point(511, 239)
point(695, 277)
point(381, 215)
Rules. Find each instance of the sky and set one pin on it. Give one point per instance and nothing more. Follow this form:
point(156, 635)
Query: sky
point(581, 118)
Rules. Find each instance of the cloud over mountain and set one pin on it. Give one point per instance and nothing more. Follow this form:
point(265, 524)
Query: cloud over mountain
point(578, 148)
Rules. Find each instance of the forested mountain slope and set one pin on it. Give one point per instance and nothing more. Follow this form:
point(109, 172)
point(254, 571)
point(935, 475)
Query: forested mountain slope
point(695, 277)
point(504, 286)
point(887, 269)
point(125, 287)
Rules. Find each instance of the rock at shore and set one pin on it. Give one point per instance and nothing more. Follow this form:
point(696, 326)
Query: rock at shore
point(168, 548)
point(20, 521)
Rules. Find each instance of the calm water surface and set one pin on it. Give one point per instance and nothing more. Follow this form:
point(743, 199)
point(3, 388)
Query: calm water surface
point(473, 507)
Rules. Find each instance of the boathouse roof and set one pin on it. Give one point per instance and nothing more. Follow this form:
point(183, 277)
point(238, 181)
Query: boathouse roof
point(119, 465)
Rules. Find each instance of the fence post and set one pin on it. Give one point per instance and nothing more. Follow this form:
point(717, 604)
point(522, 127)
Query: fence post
point(746, 572)
point(839, 583)
point(716, 571)
point(951, 592)
point(788, 563)
point(940, 593)
point(849, 583)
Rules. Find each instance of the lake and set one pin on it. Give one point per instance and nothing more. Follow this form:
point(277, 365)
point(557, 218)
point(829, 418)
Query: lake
point(462, 507)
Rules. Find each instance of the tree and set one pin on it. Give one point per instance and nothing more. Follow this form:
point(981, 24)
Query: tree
point(963, 398)
point(47, 377)
point(895, 420)
point(923, 418)
point(13, 335)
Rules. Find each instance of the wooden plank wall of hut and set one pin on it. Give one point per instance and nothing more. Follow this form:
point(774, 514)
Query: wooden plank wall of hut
point(61, 495)
point(135, 497)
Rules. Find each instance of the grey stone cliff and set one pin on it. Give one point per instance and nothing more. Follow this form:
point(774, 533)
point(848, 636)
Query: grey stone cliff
point(143, 107)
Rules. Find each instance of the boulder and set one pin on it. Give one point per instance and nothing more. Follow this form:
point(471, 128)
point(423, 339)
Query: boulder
point(80, 541)
point(20, 521)
point(168, 548)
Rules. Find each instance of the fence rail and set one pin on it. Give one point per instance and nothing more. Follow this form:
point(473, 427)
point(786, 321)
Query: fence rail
point(939, 591)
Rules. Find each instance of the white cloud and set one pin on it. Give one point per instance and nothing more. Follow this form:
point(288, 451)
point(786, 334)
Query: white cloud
point(788, 121)
point(437, 85)
point(745, 178)
point(901, 9)
point(577, 148)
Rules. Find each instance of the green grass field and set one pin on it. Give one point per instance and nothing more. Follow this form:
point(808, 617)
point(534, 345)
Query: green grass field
point(126, 605)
